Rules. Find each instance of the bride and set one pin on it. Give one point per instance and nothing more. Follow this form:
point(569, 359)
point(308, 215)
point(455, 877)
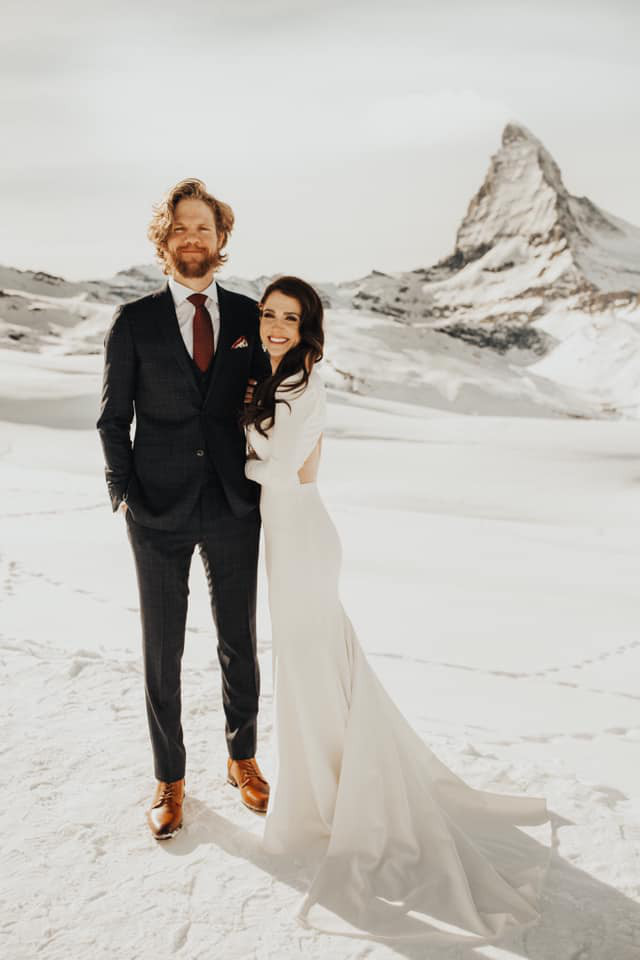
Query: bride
point(395, 844)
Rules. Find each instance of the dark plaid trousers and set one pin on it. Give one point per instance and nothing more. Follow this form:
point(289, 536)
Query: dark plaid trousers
point(228, 546)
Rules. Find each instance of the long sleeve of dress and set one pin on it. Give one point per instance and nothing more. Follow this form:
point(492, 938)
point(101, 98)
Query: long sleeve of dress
point(293, 436)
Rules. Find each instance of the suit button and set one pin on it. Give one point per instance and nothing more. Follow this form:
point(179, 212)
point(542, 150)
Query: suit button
point(199, 453)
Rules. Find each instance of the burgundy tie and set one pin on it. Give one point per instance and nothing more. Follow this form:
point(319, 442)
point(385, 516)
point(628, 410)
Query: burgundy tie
point(202, 332)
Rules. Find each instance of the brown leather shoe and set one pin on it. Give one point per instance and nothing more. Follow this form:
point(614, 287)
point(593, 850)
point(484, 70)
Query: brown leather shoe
point(164, 816)
point(254, 789)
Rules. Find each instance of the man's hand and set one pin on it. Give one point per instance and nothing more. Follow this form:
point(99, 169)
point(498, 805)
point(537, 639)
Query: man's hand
point(248, 397)
point(122, 507)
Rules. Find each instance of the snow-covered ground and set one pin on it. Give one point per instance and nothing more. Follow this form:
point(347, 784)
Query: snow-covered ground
point(491, 570)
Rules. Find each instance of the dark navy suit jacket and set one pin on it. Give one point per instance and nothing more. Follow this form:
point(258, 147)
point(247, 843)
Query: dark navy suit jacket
point(181, 432)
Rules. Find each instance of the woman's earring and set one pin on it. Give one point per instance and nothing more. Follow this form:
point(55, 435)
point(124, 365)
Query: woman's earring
point(264, 347)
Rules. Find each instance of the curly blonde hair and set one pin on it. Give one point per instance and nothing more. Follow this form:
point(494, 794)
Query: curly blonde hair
point(163, 214)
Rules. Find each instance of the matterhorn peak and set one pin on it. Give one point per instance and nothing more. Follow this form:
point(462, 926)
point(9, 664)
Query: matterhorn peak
point(517, 131)
point(524, 214)
point(524, 244)
point(522, 196)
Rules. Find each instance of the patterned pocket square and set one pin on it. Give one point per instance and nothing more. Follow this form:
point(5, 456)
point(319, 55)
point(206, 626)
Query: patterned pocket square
point(240, 342)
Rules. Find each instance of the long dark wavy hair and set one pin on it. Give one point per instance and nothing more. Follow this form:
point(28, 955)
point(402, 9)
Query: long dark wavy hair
point(298, 360)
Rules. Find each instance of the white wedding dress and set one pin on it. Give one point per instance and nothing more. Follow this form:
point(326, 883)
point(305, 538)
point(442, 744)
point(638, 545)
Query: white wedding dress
point(397, 845)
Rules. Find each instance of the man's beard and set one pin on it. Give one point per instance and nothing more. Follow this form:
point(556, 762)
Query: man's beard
point(193, 268)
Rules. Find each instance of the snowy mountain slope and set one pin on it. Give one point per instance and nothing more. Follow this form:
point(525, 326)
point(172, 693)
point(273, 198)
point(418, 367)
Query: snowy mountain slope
point(125, 285)
point(366, 353)
point(363, 357)
point(36, 322)
point(599, 355)
point(35, 306)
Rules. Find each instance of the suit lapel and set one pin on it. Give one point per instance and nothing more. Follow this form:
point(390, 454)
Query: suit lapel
point(173, 337)
point(225, 338)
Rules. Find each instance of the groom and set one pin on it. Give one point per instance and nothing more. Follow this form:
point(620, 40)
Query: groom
point(183, 360)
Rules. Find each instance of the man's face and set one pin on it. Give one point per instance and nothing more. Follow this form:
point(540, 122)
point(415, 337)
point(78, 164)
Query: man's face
point(192, 243)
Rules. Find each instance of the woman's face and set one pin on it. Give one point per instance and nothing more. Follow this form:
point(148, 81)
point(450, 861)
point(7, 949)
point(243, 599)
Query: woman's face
point(280, 320)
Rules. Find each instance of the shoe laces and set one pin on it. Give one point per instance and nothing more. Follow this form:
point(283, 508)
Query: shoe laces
point(168, 791)
point(249, 770)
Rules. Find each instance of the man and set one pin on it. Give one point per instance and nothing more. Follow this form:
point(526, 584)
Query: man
point(184, 359)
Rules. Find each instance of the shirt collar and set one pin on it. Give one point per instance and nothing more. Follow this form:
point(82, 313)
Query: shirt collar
point(180, 293)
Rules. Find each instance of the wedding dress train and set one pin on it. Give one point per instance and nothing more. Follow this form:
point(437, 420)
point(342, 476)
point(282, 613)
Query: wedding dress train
point(400, 847)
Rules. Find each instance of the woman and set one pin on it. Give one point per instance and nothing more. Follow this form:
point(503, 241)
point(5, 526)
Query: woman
point(398, 845)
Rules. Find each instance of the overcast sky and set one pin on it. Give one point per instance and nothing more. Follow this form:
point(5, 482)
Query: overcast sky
point(346, 135)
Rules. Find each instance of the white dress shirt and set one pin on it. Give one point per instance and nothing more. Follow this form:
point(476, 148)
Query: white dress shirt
point(185, 311)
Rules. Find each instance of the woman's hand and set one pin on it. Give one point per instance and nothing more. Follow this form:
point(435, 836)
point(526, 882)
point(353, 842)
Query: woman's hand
point(248, 396)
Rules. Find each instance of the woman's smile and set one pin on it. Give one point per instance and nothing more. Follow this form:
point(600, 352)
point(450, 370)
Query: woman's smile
point(280, 312)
